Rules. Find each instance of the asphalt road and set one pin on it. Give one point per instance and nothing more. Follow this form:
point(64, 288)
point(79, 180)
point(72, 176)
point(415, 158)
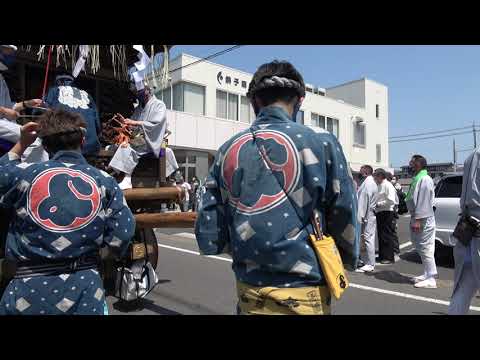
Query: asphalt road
point(191, 284)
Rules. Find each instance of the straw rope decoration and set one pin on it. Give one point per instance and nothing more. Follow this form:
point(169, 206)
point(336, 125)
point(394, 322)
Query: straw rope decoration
point(67, 55)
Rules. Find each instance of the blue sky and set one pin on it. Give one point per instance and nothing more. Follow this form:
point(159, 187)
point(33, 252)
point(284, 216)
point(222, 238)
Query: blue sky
point(430, 87)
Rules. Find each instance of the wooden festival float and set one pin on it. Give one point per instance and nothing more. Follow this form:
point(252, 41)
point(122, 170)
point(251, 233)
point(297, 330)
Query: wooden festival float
point(105, 77)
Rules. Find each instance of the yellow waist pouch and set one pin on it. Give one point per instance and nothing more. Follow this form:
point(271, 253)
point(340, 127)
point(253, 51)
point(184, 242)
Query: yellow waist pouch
point(312, 300)
point(330, 261)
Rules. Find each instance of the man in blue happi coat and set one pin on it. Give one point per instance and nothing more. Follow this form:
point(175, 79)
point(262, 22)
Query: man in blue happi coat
point(64, 212)
point(261, 192)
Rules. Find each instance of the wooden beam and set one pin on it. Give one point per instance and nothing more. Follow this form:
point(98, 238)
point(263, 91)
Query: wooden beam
point(146, 194)
point(166, 220)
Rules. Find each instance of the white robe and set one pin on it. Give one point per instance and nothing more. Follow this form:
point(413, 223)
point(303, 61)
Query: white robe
point(154, 124)
point(10, 130)
point(467, 259)
point(366, 194)
point(420, 207)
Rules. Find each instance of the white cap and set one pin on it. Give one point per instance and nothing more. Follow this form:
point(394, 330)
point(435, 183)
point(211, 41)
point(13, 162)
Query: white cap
point(10, 47)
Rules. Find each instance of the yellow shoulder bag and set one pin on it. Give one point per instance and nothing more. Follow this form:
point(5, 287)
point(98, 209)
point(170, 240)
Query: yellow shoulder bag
point(329, 258)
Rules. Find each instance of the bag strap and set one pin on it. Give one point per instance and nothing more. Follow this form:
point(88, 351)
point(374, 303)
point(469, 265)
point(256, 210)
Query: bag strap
point(317, 228)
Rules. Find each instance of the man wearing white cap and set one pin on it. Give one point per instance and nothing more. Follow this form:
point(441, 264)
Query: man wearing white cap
point(9, 111)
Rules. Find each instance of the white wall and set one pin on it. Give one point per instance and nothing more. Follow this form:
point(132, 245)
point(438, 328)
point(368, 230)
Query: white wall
point(352, 92)
point(200, 132)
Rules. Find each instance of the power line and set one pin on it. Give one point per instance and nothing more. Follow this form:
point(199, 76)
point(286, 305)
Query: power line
point(430, 132)
point(207, 57)
point(430, 137)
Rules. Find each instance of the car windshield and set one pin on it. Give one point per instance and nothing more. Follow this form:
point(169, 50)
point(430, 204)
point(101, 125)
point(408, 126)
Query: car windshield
point(450, 187)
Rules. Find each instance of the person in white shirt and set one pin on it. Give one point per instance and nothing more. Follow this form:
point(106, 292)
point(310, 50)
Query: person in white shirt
point(366, 195)
point(420, 201)
point(386, 199)
point(186, 188)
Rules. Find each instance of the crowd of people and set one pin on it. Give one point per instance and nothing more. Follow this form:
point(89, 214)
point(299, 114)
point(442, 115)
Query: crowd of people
point(380, 201)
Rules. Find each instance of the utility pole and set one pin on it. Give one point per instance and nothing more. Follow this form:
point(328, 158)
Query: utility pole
point(454, 156)
point(474, 136)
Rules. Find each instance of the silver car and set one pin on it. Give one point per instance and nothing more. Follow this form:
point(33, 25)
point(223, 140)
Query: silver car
point(447, 207)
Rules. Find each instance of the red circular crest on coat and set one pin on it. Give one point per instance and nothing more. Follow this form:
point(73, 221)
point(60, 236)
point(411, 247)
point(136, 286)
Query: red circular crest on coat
point(40, 191)
point(290, 169)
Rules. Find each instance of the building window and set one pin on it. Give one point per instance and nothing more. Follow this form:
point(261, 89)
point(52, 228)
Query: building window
point(377, 111)
point(189, 98)
point(194, 99)
point(332, 126)
point(359, 134)
point(178, 97)
point(379, 153)
point(329, 124)
point(318, 120)
point(227, 105)
point(300, 117)
point(187, 164)
point(166, 96)
point(245, 109)
point(222, 104)
point(232, 106)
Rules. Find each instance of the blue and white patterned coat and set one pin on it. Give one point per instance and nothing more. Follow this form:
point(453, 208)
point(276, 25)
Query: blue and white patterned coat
point(246, 213)
point(78, 101)
point(64, 209)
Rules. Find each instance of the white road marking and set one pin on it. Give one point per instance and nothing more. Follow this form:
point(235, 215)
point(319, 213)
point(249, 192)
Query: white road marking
point(357, 286)
point(408, 296)
point(184, 235)
point(444, 230)
point(193, 252)
point(404, 245)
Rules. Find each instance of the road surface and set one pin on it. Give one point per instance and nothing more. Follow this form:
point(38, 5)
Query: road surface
point(191, 284)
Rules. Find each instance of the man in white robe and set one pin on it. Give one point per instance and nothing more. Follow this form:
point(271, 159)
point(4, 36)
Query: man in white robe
point(467, 258)
point(366, 194)
point(151, 116)
point(420, 201)
point(9, 111)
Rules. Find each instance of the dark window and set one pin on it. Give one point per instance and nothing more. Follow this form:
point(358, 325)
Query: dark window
point(244, 84)
point(228, 80)
point(300, 117)
point(377, 111)
point(450, 187)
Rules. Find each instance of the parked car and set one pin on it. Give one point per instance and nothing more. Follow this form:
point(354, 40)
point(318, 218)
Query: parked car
point(447, 207)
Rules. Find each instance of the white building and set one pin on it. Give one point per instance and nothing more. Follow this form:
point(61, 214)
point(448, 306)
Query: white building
point(207, 105)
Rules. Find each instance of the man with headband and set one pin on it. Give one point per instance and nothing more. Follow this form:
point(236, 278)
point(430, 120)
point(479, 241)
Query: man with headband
point(262, 190)
point(9, 112)
point(64, 211)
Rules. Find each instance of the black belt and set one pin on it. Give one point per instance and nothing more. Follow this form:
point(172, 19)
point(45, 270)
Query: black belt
point(55, 268)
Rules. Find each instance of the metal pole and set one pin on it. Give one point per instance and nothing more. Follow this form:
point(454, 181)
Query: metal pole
point(454, 156)
point(474, 136)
